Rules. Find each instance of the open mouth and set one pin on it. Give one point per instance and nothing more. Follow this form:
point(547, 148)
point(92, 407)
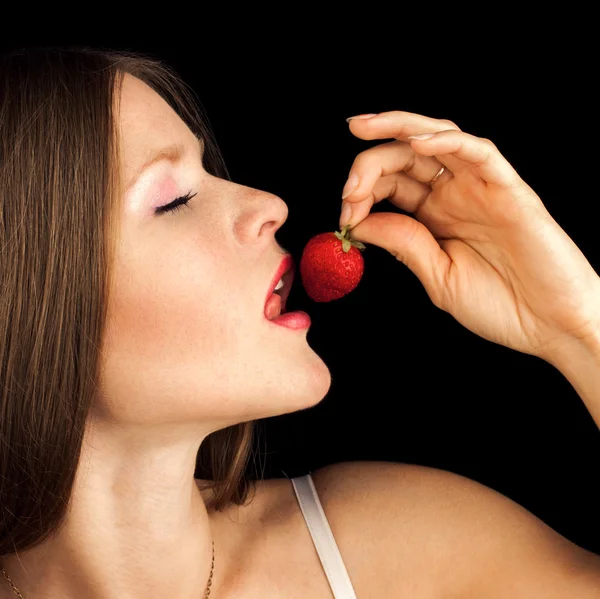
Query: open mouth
point(276, 302)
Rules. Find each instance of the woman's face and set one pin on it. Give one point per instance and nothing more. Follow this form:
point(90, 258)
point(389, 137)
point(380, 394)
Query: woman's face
point(187, 339)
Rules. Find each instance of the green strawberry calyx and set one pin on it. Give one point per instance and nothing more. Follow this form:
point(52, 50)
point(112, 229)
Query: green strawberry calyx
point(347, 243)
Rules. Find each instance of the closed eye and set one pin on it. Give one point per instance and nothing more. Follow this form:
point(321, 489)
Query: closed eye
point(175, 205)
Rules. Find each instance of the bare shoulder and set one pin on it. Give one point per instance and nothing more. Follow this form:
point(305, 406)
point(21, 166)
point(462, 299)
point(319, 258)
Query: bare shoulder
point(416, 531)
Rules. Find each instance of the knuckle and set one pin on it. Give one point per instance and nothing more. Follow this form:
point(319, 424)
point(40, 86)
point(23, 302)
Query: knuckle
point(362, 161)
point(410, 163)
point(397, 114)
point(488, 142)
point(450, 124)
point(372, 157)
point(359, 161)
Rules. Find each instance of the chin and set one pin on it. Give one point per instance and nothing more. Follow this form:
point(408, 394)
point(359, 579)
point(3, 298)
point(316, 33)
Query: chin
point(311, 385)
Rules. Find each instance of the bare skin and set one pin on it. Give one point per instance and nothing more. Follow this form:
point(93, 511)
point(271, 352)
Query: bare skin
point(183, 356)
point(175, 372)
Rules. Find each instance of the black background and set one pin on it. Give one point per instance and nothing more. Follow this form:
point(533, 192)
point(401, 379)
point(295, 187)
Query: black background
point(409, 384)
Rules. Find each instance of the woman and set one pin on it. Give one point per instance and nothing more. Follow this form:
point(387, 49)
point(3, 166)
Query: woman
point(136, 351)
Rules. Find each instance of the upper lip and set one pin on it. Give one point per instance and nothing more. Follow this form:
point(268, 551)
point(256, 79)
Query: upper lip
point(286, 271)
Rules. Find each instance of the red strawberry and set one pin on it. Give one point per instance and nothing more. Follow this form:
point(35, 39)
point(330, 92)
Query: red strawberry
point(331, 265)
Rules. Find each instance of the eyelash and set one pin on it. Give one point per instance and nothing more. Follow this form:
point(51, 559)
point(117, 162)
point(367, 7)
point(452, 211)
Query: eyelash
point(177, 204)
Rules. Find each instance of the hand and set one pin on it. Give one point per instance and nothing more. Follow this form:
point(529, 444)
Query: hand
point(481, 243)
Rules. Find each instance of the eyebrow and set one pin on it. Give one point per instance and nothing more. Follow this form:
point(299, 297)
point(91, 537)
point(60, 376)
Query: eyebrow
point(173, 153)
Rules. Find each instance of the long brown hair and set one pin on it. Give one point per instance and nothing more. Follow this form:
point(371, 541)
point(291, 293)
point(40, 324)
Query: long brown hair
point(58, 195)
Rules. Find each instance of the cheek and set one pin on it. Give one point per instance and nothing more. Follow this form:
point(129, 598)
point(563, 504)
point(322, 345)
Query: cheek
point(173, 332)
point(162, 310)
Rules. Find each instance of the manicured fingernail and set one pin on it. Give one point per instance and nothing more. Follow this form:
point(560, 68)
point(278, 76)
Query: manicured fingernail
point(346, 215)
point(422, 136)
point(350, 186)
point(361, 116)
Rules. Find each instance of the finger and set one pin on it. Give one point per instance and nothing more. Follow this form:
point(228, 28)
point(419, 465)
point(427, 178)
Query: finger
point(372, 164)
point(410, 242)
point(398, 124)
point(460, 151)
point(399, 188)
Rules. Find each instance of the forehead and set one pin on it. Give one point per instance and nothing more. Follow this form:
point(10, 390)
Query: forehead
point(147, 124)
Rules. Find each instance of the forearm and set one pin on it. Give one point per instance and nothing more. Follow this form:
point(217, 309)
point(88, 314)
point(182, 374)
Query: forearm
point(579, 362)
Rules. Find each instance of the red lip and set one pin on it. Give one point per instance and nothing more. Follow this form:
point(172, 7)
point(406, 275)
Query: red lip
point(287, 264)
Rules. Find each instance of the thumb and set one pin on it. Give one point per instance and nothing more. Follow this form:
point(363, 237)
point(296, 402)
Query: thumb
point(411, 242)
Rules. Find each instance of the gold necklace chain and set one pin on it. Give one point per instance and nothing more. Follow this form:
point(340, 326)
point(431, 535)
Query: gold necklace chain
point(18, 593)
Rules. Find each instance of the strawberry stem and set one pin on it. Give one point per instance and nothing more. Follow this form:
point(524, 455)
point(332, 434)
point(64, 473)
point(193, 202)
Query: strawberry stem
point(347, 243)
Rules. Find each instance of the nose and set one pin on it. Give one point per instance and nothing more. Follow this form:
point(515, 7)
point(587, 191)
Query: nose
point(261, 214)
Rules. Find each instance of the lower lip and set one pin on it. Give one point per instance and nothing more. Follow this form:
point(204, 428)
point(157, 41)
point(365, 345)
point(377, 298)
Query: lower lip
point(293, 320)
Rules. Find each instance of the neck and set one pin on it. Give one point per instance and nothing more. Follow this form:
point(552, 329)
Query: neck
point(137, 526)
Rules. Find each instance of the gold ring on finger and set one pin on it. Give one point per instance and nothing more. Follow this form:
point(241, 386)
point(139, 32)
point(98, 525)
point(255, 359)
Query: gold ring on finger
point(438, 175)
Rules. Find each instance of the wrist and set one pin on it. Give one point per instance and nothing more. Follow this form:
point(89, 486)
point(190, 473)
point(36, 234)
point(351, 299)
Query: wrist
point(578, 359)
